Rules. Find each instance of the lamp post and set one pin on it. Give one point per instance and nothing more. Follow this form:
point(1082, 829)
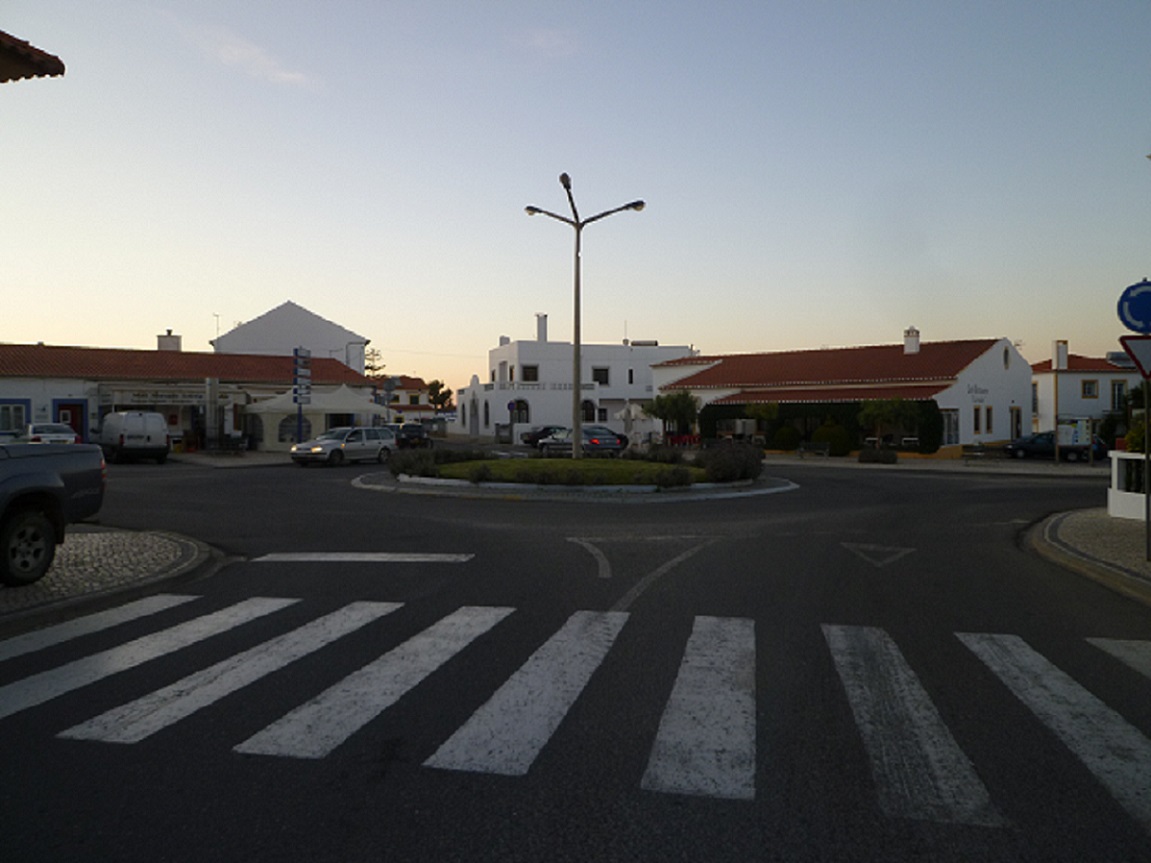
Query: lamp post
point(578, 224)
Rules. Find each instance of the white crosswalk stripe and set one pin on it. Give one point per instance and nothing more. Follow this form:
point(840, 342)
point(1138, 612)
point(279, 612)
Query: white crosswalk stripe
point(136, 720)
point(920, 772)
point(507, 733)
point(39, 639)
point(50, 684)
point(706, 739)
point(705, 743)
point(316, 728)
point(1111, 748)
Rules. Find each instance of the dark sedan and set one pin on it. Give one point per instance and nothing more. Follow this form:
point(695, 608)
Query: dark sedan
point(1042, 445)
point(532, 438)
point(560, 443)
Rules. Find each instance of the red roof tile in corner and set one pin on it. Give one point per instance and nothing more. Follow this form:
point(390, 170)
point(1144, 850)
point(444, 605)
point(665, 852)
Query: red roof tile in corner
point(19, 60)
point(96, 364)
point(876, 363)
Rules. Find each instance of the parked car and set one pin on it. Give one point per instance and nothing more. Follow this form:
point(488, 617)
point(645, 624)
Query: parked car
point(414, 436)
point(44, 488)
point(532, 438)
point(604, 431)
point(594, 443)
point(1042, 445)
point(345, 443)
point(49, 433)
point(131, 435)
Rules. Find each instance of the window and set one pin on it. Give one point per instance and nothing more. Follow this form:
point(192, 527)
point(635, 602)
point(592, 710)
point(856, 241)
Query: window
point(1090, 389)
point(13, 417)
point(587, 412)
point(631, 376)
point(530, 374)
point(1118, 395)
point(987, 420)
point(286, 433)
point(950, 426)
point(601, 415)
point(414, 399)
point(978, 415)
point(1034, 398)
point(487, 415)
point(600, 376)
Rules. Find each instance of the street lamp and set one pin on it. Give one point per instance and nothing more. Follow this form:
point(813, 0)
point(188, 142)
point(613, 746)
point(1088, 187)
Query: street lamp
point(578, 224)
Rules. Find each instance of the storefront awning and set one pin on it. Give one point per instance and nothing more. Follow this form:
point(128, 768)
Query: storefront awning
point(828, 395)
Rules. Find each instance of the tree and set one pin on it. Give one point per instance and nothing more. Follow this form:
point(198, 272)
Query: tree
point(372, 362)
point(439, 396)
point(881, 413)
point(680, 409)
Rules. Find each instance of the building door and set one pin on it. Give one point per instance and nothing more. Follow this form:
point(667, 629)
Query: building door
point(72, 414)
point(1016, 423)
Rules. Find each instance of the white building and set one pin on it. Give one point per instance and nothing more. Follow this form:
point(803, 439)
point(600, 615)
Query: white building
point(529, 383)
point(290, 326)
point(981, 386)
point(1076, 387)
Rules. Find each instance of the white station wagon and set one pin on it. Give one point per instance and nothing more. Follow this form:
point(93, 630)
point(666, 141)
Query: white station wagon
point(346, 443)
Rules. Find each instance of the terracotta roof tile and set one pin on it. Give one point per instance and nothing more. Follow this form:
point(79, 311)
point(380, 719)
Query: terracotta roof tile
point(935, 361)
point(19, 60)
point(1077, 363)
point(96, 364)
point(826, 395)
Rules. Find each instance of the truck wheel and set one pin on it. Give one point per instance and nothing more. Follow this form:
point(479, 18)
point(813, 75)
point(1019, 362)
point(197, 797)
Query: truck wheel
point(27, 547)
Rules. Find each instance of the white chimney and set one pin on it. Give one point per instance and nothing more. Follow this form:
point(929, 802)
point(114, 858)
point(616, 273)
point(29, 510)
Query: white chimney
point(1059, 355)
point(541, 327)
point(911, 340)
point(168, 342)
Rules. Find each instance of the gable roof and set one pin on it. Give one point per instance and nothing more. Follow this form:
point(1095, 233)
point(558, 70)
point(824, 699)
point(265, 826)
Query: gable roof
point(282, 323)
point(98, 364)
point(833, 374)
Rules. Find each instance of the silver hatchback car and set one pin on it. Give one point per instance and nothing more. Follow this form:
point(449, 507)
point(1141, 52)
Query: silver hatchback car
point(346, 443)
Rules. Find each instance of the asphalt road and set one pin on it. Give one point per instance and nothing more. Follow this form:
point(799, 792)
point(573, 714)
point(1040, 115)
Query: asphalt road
point(869, 667)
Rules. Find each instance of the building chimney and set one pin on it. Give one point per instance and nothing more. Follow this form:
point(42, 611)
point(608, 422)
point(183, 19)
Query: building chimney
point(168, 342)
point(911, 340)
point(504, 340)
point(541, 327)
point(1059, 355)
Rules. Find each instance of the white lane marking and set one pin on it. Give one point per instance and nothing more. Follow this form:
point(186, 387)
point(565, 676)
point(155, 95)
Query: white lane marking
point(317, 727)
point(603, 568)
point(919, 770)
point(61, 632)
point(878, 556)
point(1134, 654)
point(507, 733)
point(625, 602)
point(361, 557)
point(1113, 750)
point(132, 722)
point(706, 739)
point(49, 684)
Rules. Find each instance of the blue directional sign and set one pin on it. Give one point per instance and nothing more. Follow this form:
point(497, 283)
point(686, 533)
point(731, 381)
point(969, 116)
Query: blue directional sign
point(1135, 307)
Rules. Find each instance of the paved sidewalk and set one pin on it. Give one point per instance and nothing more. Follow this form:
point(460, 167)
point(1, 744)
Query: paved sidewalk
point(97, 562)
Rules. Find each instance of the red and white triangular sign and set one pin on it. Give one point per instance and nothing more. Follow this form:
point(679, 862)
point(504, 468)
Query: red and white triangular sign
point(1139, 349)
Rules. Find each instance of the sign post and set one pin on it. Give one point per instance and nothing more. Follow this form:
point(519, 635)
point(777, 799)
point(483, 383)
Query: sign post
point(1135, 314)
point(301, 386)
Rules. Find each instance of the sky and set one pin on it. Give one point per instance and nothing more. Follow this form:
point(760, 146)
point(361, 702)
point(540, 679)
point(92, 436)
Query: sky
point(816, 172)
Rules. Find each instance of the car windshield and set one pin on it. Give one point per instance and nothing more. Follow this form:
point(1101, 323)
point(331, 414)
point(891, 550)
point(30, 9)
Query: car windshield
point(52, 428)
point(334, 434)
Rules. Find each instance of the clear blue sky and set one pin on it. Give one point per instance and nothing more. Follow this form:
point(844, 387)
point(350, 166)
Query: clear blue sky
point(816, 173)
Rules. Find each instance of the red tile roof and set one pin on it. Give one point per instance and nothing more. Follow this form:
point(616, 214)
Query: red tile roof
point(939, 362)
point(97, 364)
point(18, 60)
point(1077, 363)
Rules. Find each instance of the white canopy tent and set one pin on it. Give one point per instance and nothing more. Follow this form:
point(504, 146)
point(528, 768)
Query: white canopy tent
point(279, 414)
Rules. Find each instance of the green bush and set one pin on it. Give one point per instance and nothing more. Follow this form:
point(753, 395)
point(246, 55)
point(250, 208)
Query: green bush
point(660, 454)
point(786, 438)
point(481, 471)
point(836, 435)
point(413, 462)
point(731, 462)
point(674, 476)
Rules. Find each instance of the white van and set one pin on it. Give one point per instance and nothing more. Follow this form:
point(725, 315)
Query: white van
point(126, 435)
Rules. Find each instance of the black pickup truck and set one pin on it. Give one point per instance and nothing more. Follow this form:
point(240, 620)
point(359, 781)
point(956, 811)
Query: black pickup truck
point(44, 488)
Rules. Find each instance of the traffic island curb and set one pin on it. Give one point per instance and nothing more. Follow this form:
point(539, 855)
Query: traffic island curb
point(1046, 540)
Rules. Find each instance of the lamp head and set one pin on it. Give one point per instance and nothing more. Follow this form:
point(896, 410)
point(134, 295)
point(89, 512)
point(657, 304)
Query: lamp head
point(636, 205)
point(566, 181)
point(531, 211)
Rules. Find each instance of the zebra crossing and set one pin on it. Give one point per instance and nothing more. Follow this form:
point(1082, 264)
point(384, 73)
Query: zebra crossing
point(705, 744)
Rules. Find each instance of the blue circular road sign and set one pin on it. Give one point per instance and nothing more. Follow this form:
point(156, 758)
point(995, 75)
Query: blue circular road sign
point(1135, 307)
